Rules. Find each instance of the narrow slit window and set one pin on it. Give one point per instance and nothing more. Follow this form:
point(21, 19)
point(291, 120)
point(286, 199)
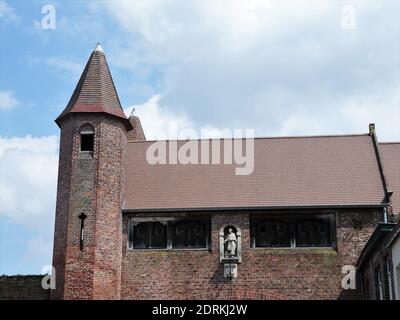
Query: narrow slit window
point(87, 141)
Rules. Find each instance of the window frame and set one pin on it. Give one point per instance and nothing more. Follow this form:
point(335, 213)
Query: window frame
point(188, 231)
point(146, 234)
point(169, 222)
point(293, 220)
point(86, 133)
point(396, 269)
point(378, 283)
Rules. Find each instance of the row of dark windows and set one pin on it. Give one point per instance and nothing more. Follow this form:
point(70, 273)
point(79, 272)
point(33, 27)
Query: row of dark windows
point(174, 234)
point(291, 232)
point(264, 232)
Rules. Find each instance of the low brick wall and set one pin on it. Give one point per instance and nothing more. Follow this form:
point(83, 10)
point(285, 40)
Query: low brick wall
point(22, 288)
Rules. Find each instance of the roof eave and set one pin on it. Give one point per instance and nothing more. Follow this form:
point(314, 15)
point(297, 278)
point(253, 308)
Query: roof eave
point(61, 118)
point(394, 235)
point(255, 208)
point(379, 233)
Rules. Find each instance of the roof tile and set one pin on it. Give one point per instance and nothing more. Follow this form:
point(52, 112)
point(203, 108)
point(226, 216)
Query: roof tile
point(95, 91)
point(293, 171)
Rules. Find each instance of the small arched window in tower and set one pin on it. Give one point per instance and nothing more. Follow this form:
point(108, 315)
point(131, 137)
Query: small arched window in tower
point(87, 138)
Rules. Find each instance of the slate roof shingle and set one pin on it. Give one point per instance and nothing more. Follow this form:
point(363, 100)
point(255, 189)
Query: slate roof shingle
point(288, 172)
point(95, 91)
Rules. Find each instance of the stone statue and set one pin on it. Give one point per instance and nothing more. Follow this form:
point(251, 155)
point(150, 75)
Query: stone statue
point(230, 243)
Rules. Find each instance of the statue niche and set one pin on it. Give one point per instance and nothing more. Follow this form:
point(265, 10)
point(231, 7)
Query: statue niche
point(230, 244)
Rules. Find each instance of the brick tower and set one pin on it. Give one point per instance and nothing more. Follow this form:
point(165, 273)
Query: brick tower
point(87, 240)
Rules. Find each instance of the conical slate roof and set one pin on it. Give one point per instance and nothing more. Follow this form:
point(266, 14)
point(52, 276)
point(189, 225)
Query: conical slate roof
point(95, 91)
point(137, 134)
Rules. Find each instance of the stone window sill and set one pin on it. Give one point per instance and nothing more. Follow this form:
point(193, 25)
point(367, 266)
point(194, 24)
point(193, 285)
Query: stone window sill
point(85, 155)
point(168, 250)
point(294, 250)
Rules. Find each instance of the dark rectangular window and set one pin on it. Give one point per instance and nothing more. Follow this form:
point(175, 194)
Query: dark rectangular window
point(312, 233)
point(292, 231)
point(149, 235)
point(272, 233)
point(173, 234)
point(386, 287)
point(87, 141)
point(392, 288)
point(189, 234)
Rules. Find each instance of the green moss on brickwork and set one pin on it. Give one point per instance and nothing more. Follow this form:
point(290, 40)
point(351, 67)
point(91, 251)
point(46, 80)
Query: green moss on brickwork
point(295, 251)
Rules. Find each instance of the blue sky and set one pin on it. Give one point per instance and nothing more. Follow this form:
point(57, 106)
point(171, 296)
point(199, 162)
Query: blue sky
point(311, 67)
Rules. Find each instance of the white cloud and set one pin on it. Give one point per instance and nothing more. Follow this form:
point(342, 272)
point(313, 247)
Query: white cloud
point(67, 68)
point(6, 12)
point(7, 100)
point(28, 182)
point(159, 122)
point(39, 250)
point(28, 176)
point(64, 64)
point(266, 65)
point(383, 109)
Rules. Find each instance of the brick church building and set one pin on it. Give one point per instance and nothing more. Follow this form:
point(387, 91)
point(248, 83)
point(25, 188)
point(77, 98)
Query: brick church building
point(129, 229)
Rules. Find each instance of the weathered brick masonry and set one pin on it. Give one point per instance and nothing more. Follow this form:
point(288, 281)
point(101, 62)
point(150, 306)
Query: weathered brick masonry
point(91, 183)
point(22, 288)
point(114, 181)
point(309, 273)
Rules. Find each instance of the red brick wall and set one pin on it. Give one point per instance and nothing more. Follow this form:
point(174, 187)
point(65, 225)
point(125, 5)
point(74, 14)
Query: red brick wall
point(22, 288)
point(263, 274)
point(95, 186)
point(92, 184)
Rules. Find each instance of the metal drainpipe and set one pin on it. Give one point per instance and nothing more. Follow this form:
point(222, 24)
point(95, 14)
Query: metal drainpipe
point(385, 214)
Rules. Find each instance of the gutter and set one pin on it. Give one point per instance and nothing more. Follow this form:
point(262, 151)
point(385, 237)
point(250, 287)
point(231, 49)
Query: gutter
point(377, 236)
point(393, 236)
point(254, 208)
point(388, 194)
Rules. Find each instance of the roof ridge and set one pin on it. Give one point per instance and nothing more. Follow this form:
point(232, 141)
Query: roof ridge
point(392, 142)
point(111, 78)
point(263, 138)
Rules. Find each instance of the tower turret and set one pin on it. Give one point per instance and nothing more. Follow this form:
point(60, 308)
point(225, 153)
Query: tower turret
point(91, 179)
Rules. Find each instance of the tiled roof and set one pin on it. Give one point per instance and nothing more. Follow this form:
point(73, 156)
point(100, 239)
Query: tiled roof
point(136, 133)
point(95, 91)
point(390, 153)
point(288, 172)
